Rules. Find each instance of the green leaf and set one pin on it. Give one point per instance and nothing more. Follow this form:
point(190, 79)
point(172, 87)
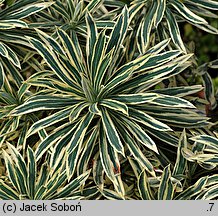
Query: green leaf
point(31, 178)
point(166, 189)
point(147, 120)
point(174, 30)
point(115, 105)
point(73, 185)
point(187, 14)
point(193, 190)
point(133, 99)
point(12, 23)
point(49, 120)
point(181, 163)
point(170, 101)
point(144, 187)
point(2, 75)
point(52, 139)
point(41, 102)
point(145, 27)
point(92, 37)
point(28, 10)
point(137, 131)
point(206, 140)
point(119, 31)
point(212, 5)
point(111, 132)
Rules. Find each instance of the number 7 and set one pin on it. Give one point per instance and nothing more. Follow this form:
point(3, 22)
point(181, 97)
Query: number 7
point(212, 204)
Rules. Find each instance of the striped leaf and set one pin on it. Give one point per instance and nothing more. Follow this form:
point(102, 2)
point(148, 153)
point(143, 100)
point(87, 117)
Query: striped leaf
point(174, 30)
point(144, 187)
point(105, 157)
point(2, 75)
point(118, 33)
point(135, 150)
point(206, 140)
point(7, 52)
point(41, 102)
point(137, 131)
point(71, 50)
point(27, 10)
point(160, 10)
point(92, 37)
point(211, 193)
point(50, 120)
point(12, 23)
point(193, 190)
point(52, 139)
point(79, 133)
point(209, 4)
point(111, 195)
point(97, 55)
point(148, 121)
point(139, 98)
point(170, 101)
point(181, 163)
point(111, 132)
point(144, 30)
point(158, 60)
point(31, 178)
point(73, 185)
point(209, 90)
point(115, 105)
point(166, 189)
point(51, 58)
point(187, 14)
point(76, 110)
point(87, 152)
point(180, 91)
point(7, 193)
point(75, 144)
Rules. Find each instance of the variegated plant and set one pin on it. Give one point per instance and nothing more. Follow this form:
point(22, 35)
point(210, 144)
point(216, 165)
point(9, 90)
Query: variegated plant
point(169, 186)
point(28, 181)
point(103, 104)
point(70, 16)
point(159, 19)
point(12, 18)
point(94, 99)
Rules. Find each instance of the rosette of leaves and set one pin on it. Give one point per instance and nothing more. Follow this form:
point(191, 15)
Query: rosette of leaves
point(104, 109)
point(159, 19)
point(13, 18)
point(70, 16)
point(26, 179)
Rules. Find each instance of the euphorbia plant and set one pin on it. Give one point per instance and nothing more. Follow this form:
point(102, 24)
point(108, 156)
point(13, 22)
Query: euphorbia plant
point(111, 94)
point(105, 104)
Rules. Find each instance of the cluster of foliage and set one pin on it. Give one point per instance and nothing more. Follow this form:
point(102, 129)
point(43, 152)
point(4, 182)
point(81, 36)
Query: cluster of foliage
point(102, 99)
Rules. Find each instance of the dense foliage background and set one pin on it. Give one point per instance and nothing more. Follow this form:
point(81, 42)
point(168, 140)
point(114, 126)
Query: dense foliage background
point(107, 99)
